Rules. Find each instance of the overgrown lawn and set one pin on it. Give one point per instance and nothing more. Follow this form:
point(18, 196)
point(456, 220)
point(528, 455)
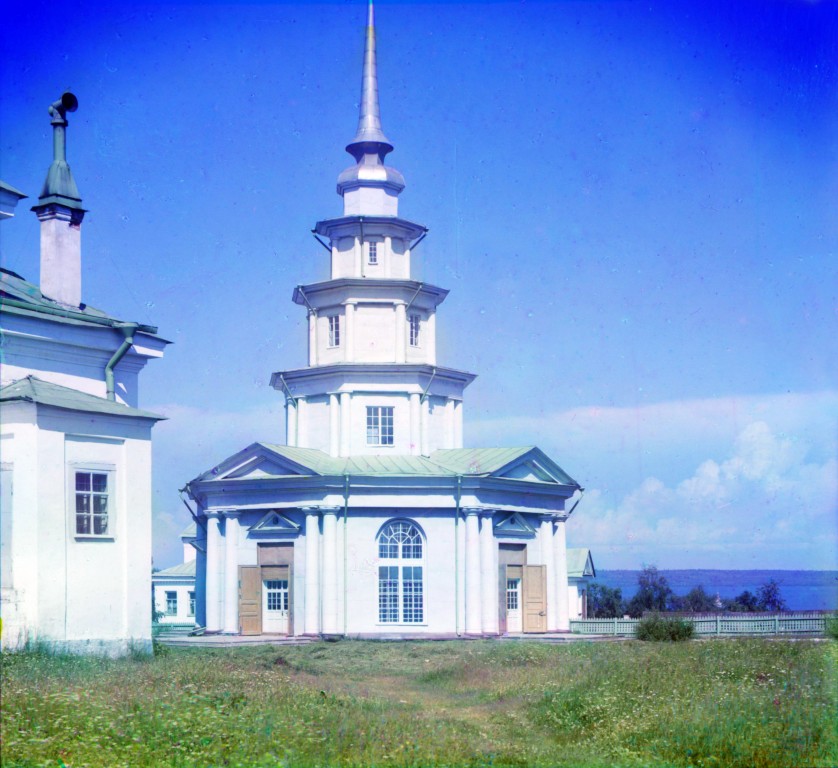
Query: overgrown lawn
point(742, 702)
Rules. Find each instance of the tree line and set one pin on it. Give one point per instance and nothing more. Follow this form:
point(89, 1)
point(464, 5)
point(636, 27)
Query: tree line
point(655, 594)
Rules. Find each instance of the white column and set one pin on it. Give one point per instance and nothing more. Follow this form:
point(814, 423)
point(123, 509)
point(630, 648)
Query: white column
point(231, 573)
point(330, 572)
point(334, 250)
point(431, 338)
point(415, 425)
point(345, 423)
point(458, 424)
point(302, 423)
point(426, 427)
point(312, 574)
point(560, 558)
point(358, 249)
point(473, 593)
point(449, 423)
point(488, 575)
point(334, 424)
point(312, 337)
point(388, 256)
point(290, 422)
point(401, 332)
point(548, 559)
point(213, 598)
point(349, 333)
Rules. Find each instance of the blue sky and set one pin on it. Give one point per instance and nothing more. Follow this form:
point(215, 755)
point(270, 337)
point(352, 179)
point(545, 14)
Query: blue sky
point(633, 204)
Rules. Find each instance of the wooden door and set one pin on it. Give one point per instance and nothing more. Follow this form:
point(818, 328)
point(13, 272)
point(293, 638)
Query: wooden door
point(250, 600)
point(535, 598)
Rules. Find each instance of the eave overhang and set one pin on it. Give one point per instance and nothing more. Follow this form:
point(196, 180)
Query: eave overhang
point(344, 288)
point(349, 225)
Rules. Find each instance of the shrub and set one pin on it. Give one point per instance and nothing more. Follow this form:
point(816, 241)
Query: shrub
point(664, 628)
point(832, 627)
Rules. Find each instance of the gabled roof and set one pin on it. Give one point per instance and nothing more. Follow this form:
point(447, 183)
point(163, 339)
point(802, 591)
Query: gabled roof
point(183, 570)
point(31, 389)
point(268, 460)
point(19, 296)
point(580, 564)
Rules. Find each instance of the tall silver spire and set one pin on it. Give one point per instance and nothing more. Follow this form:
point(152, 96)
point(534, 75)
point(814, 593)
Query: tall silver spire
point(369, 137)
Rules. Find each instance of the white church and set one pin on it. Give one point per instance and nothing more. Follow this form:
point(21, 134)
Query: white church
point(75, 448)
point(373, 519)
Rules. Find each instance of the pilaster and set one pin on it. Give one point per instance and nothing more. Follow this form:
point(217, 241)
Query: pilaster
point(401, 332)
point(415, 424)
point(345, 423)
point(334, 424)
point(545, 535)
point(291, 422)
point(312, 337)
point(349, 341)
point(329, 620)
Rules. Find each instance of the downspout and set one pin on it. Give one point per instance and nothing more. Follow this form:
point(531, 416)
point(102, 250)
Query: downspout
point(345, 539)
point(457, 559)
point(128, 330)
point(413, 298)
point(425, 393)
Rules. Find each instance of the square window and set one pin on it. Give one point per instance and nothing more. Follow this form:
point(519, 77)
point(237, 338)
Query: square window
point(92, 498)
point(373, 253)
point(334, 330)
point(379, 425)
point(414, 321)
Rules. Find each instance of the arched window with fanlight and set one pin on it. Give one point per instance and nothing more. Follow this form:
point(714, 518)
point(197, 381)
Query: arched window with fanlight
point(401, 594)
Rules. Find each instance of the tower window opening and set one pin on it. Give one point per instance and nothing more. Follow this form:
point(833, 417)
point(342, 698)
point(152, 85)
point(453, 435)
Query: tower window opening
point(334, 330)
point(373, 253)
point(379, 425)
point(414, 330)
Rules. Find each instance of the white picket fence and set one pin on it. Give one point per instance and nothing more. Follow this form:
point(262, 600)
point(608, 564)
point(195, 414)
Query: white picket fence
point(787, 623)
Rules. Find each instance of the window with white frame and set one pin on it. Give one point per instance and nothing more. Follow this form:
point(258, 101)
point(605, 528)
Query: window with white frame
point(372, 252)
point(191, 602)
point(379, 425)
point(414, 323)
point(171, 603)
point(92, 497)
point(401, 597)
point(334, 330)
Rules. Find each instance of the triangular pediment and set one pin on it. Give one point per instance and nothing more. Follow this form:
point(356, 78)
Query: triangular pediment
point(515, 526)
point(276, 524)
point(535, 466)
point(263, 466)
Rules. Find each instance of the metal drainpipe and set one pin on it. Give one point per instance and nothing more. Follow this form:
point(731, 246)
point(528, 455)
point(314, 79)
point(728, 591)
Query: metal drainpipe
point(345, 539)
point(457, 560)
point(128, 330)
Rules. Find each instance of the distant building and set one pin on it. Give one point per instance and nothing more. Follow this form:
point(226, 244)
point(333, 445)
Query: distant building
point(174, 588)
point(580, 572)
point(374, 520)
point(75, 517)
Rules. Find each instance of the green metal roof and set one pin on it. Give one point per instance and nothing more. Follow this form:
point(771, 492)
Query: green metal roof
point(190, 531)
point(9, 188)
point(19, 296)
point(475, 462)
point(183, 570)
point(33, 390)
point(577, 559)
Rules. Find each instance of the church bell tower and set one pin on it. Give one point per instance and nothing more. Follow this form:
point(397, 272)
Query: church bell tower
point(372, 384)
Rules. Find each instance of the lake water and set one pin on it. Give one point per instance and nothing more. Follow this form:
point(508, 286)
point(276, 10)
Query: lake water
point(802, 590)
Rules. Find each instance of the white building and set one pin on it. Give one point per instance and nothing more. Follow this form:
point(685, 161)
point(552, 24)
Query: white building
point(174, 588)
point(75, 517)
point(580, 572)
point(373, 519)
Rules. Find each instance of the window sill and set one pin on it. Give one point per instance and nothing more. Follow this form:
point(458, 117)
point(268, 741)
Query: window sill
point(400, 625)
point(93, 537)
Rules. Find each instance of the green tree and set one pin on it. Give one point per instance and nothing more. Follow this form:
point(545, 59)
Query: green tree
point(698, 601)
point(604, 602)
point(653, 592)
point(769, 597)
point(746, 602)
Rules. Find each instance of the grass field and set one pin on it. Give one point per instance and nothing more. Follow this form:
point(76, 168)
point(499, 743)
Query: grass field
point(744, 702)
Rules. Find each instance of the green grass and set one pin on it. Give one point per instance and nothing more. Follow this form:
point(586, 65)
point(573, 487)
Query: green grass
point(742, 702)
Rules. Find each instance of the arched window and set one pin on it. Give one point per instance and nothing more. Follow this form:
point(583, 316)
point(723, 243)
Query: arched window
point(400, 574)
